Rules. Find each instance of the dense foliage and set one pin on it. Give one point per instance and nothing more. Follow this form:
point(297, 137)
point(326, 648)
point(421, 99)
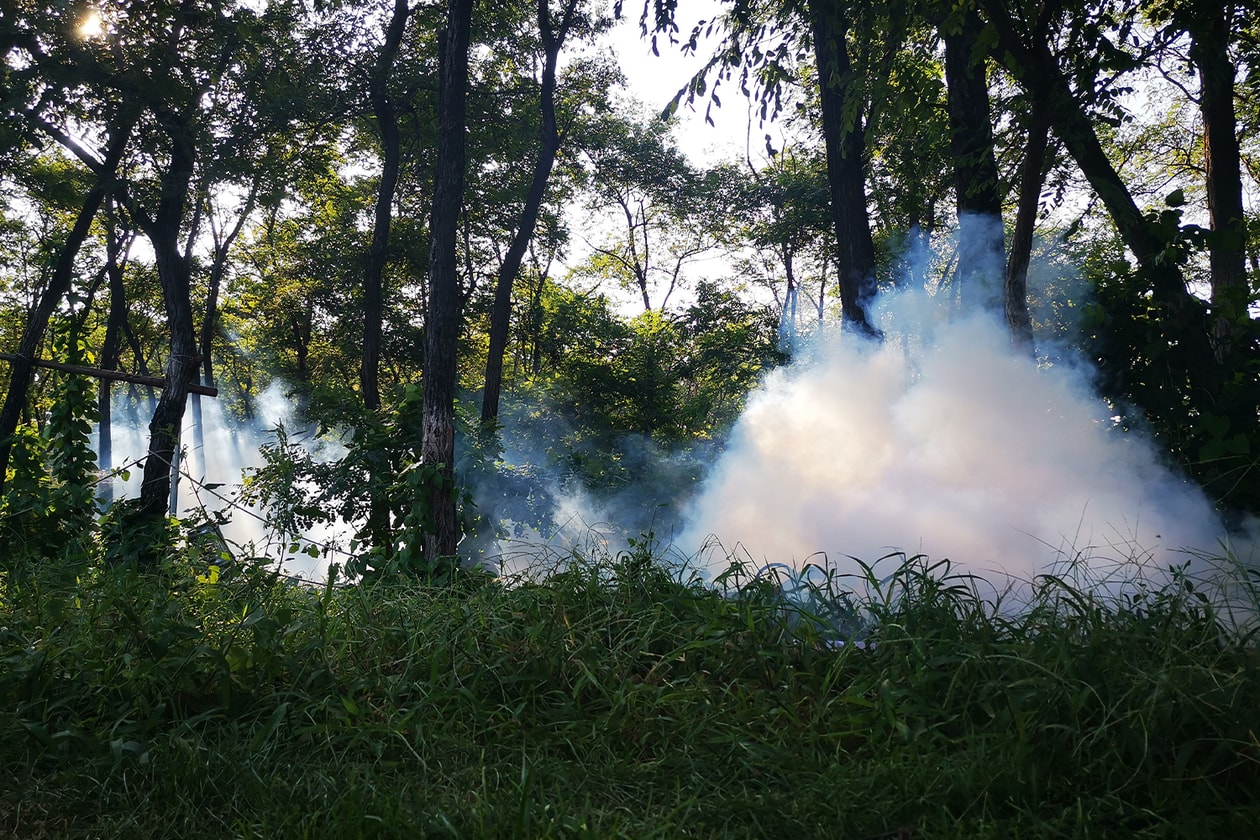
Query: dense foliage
point(487, 281)
point(260, 222)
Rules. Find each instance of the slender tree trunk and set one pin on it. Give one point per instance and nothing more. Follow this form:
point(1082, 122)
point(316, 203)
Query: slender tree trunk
point(548, 146)
point(442, 322)
point(223, 242)
point(58, 286)
point(536, 319)
point(1209, 51)
point(210, 318)
point(787, 314)
point(386, 112)
point(1186, 323)
point(1031, 178)
point(978, 194)
point(846, 165)
point(111, 347)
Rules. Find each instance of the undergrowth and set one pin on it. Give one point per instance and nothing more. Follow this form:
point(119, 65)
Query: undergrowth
point(614, 699)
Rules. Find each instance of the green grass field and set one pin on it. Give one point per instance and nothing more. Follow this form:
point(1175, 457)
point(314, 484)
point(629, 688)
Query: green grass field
point(613, 701)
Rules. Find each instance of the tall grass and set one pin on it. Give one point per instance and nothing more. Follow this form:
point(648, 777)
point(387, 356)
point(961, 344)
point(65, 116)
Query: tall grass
point(616, 699)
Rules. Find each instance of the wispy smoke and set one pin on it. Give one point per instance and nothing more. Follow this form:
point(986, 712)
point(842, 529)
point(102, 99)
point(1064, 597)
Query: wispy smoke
point(212, 465)
point(552, 512)
point(951, 446)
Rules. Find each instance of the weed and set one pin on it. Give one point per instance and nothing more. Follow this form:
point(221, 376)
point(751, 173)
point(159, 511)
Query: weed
point(618, 697)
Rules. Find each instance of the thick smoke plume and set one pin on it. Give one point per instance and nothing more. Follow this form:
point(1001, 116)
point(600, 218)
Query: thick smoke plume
point(940, 441)
point(959, 449)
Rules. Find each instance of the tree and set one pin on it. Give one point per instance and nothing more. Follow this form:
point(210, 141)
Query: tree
point(192, 106)
point(222, 240)
point(37, 323)
point(666, 213)
point(1209, 27)
point(787, 214)
point(845, 138)
point(117, 247)
point(163, 226)
point(911, 171)
point(553, 33)
point(1031, 178)
point(762, 43)
point(629, 408)
point(385, 107)
point(188, 128)
point(385, 111)
point(442, 321)
point(1039, 71)
point(977, 187)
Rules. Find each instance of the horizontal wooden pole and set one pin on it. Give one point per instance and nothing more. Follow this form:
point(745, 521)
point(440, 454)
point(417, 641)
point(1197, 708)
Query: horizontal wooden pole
point(116, 375)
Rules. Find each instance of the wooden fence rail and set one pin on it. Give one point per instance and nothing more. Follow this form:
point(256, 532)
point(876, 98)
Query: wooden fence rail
point(117, 375)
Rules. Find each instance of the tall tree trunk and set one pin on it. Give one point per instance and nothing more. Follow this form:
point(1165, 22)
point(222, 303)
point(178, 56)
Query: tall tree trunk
point(210, 317)
point(978, 194)
point(174, 273)
point(1186, 323)
point(787, 314)
point(1031, 179)
point(386, 112)
point(58, 286)
point(223, 241)
point(1209, 51)
point(536, 317)
point(111, 347)
point(442, 322)
point(846, 165)
point(548, 146)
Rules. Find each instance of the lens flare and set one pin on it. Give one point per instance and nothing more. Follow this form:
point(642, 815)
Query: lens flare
point(91, 25)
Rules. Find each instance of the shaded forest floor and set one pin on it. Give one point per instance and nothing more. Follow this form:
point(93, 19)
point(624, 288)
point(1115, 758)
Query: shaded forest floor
point(614, 701)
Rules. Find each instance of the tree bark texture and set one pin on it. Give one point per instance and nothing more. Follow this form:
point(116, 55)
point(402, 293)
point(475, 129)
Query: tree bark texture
point(548, 146)
point(977, 189)
point(1031, 179)
point(1227, 251)
point(163, 229)
point(58, 286)
point(442, 322)
point(386, 112)
point(845, 140)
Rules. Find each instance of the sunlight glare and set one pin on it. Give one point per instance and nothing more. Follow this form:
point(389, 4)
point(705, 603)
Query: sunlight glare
point(91, 26)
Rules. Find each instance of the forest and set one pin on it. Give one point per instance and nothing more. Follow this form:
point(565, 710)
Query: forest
point(409, 430)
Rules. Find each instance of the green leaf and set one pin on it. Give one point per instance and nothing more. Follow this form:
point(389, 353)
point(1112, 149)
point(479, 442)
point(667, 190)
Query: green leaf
point(277, 717)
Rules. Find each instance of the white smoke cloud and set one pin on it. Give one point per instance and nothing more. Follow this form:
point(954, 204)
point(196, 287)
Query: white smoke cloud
point(960, 450)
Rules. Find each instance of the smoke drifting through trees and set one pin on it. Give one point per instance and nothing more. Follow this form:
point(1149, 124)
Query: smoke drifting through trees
point(941, 440)
point(229, 451)
point(963, 450)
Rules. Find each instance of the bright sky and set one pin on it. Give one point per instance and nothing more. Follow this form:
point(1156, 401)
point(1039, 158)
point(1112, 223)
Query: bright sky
point(655, 79)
